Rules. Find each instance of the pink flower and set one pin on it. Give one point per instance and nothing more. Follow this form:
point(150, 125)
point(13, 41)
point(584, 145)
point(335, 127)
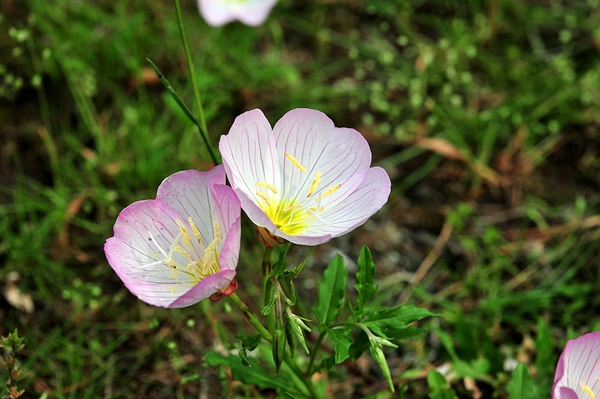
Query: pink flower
point(578, 370)
point(184, 245)
point(305, 180)
point(250, 12)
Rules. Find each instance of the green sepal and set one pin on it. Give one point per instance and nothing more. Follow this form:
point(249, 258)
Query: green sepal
point(379, 358)
point(296, 325)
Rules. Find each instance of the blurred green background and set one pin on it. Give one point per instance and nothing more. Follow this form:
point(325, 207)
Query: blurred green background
point(486, 115)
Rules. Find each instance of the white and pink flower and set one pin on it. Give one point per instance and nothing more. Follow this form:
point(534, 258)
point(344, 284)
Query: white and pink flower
point(249, 12)
point(578, 371)
point(184, 245)
point(305, 180)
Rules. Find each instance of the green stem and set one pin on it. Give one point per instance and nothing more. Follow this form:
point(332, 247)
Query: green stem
point(313, 355)
point(251, 317)
point(202, 126)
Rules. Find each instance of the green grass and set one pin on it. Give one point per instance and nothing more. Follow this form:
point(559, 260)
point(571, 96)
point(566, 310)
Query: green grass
point(511, 86)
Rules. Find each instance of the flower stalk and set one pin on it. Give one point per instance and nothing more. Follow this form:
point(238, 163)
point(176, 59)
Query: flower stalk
point(202, 125)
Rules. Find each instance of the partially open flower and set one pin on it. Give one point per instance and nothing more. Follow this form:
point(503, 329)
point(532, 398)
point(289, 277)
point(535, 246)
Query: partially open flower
point(578, 371)
point(305, 180)
point(183, 246)
point(249, 12)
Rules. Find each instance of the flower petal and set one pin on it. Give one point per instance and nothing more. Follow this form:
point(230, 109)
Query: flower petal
point(250, 12)
point(579, 362)
point(250, 158)
point(330, 155)
point(140, 230)
point(188, 192)
point(340, 217)
point(205, 288)
point(228, 208)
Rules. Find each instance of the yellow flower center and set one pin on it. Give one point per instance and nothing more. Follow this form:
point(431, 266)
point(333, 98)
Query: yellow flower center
point(289, 215)
point(290, 218)
point(194, 260)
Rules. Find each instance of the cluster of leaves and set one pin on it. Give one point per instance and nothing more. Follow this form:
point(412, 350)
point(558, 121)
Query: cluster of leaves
point(351, 328)
point(12, 345)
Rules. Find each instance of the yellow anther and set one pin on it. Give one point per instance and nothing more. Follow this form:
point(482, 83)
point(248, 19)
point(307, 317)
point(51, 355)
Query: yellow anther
point(267, 185)
point(195, 230)
point(174, 289)
point(264, 197)
point(313, 185)
point(173, 270)
point(587, 390)
point(179, 249)
point(217, 229)
point(295, 162)
point(184, 232)
point(330, 191)
point(314, 209)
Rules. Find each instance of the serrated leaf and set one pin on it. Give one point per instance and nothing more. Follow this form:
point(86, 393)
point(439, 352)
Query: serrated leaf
point(254, 375)
point(331, 292)
point(365, 278)
point(341, 343)
point(521, 384)
point(439, 387)
point(396, 318)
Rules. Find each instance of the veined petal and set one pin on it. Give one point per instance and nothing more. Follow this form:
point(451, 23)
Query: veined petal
point(188, 192)
point(330, 155)
point(227, 204)
point(291, 181)
point(340, 217)
point(205, 288)
point(156, 254)
point(578, 369)
point(250, 157)
point(142, 231)
point(228, 208)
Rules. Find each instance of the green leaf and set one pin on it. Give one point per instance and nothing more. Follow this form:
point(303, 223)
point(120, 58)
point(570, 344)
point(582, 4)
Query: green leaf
point(331, 292)
point(365, 278)
point(248, 343)
point(544, 347)
point(439, 387)
point(396, 318)
point(521, 384)
point(341, 343)
point(359, 346)
point(255, 375)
